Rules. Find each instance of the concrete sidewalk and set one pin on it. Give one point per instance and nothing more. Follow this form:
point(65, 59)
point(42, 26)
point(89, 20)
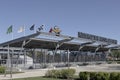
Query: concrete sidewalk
point(30, 73)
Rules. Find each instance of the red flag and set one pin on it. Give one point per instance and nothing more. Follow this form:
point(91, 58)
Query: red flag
point(50, 31)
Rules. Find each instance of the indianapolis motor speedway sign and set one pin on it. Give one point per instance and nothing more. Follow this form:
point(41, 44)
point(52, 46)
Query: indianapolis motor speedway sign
point(96, 38)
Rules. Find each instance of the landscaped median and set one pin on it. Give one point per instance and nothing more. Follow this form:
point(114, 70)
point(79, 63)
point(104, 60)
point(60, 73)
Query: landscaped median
point(68, 74)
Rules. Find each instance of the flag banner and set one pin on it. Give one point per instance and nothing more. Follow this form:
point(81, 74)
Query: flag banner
point(56, 29)
point(40, 28)
point(21, 29)
point(32, 27)
point(50, 31)
point(9, 30)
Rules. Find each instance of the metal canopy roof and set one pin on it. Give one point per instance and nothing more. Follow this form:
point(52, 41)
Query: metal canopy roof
point(33, 42)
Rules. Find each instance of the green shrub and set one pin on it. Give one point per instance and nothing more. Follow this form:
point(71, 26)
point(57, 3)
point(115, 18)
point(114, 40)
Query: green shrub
point(64, 73)
point(67, 73)
point(2, 69)
point(99, 76)
point(92, 75)
point(102, 76)
point(57, 74)
point(53, 73)
point(84, 75)
point(118, 76)
point(105, 76)
point(114, 76)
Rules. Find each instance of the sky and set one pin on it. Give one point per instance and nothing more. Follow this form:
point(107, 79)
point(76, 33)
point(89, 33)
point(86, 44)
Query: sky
point(98, 17)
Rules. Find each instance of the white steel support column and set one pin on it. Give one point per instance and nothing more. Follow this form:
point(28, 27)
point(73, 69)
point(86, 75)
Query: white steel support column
point(24, 58)
point(11, 68)
point(61, 55)
point(68, 57)
point(45, 57)
point(60, 43)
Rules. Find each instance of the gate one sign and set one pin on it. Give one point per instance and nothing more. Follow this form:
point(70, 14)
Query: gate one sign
point(96, 38)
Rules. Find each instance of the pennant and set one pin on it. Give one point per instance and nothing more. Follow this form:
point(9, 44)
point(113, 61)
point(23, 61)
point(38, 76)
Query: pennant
point(21, 29)
point(32, 27)
point(9, 30)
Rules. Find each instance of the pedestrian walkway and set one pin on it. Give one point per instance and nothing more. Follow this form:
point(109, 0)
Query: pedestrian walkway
point(28, 73)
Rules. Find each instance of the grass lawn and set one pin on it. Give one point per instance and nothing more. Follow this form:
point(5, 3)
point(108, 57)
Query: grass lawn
point(37, 78)
point(42, 78)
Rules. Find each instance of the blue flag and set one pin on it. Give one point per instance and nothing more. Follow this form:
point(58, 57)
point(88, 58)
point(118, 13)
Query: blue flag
point(32, 27)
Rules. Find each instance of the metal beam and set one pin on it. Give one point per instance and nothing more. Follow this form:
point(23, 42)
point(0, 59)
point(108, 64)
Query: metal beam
point(85, 44)
point(82, 45)
point(20, 39)
point(59, 43)
point(114, 47)
point(101, 46)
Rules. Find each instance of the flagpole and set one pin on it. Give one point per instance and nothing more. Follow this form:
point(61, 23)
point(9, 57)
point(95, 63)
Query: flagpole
point(24, 30)
point(12, 32)
point(12, 35)
point(34, 29)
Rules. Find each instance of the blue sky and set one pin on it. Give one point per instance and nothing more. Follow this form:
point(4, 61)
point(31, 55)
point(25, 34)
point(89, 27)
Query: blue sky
point(98, 17)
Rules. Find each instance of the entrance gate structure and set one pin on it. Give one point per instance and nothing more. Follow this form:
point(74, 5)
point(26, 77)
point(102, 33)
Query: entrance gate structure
point(51, 41)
